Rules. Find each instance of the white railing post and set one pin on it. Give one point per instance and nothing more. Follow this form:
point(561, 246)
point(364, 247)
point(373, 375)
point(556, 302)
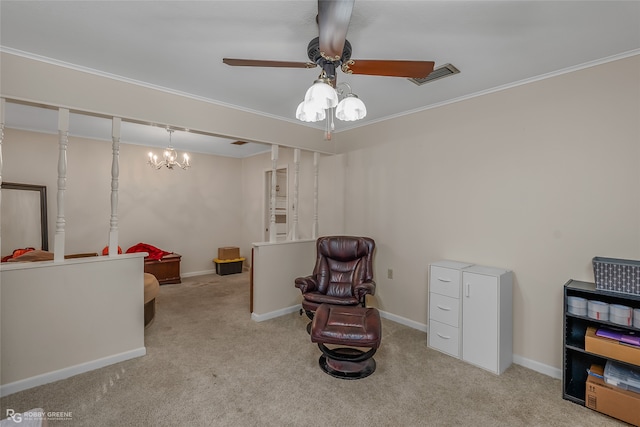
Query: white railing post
point(115, 172)
point(296, 180)
point(316, 159)
point(272, 207)
point(63, 140)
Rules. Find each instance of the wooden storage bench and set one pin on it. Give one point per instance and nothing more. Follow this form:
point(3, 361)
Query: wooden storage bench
point(166, 270)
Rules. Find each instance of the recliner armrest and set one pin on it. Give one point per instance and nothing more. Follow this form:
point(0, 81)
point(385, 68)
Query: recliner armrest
point(362, 289)
point(306, 284)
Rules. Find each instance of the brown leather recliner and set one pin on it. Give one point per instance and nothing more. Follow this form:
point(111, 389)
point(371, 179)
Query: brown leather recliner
point(343, 273)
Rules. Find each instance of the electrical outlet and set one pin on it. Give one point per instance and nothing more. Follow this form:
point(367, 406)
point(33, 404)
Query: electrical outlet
point(390, 273)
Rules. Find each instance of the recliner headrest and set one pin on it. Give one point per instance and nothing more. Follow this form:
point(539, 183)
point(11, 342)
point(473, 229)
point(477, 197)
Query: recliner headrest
point(344, 248)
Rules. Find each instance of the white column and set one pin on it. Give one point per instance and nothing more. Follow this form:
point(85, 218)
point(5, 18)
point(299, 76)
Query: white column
point(2, 105)
point(63, 139)
point(115, 172)
point(316, 161)
point(296, 180)
point(272, 203)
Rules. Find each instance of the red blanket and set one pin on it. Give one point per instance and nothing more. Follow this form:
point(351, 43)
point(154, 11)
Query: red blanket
point(154, 253)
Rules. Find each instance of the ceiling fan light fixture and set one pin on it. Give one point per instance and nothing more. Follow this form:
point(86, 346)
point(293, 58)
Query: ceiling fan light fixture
point(351, 108)
point(310, 112)
point(322, 94)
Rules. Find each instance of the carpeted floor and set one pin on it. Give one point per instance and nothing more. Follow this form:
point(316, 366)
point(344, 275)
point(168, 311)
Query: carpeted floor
point(209, 364)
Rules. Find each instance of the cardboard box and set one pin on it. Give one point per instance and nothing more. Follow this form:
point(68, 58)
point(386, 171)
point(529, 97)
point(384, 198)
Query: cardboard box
point(228, 266)
point(228, 252)
point(612, 401)
point(610, 348)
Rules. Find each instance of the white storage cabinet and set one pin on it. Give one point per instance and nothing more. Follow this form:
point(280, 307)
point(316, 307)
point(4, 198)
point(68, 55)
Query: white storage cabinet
point(470, 313)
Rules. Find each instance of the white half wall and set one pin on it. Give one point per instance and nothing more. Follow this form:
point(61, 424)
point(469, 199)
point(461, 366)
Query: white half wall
point(275, 268)
point(62, 319)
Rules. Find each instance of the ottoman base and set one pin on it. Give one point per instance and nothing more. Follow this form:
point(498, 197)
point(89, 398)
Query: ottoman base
point(347, 363)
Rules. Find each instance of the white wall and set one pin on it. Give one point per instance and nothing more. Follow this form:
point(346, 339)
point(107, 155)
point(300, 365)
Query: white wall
point(538, 179)
point(189, 212)
point(331, 194)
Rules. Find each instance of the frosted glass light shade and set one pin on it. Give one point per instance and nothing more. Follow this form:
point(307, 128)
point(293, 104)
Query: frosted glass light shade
point(310, 112)
point(322, 94)
point(351, 108)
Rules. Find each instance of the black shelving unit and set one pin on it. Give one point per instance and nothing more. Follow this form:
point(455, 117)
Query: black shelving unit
point(576, 359)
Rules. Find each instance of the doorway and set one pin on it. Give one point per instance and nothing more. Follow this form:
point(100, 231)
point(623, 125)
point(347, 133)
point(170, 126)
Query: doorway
point(281, 206)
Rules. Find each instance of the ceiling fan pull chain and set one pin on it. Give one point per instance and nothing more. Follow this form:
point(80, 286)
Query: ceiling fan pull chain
point(333, 126)
point(327, 133)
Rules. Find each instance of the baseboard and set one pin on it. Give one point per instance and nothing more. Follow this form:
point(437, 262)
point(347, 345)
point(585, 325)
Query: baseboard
point(273, 314)
point(537, 366)
point(404, 321)
point(198, 273)
point(61, 374)
point(204, 272)
point(518, 360)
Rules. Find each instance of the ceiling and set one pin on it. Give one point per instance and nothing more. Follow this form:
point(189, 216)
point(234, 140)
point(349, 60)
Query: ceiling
point(179, 46)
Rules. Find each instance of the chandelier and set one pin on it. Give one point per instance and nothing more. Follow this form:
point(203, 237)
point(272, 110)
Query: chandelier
point(322, 101)
point(169, 157)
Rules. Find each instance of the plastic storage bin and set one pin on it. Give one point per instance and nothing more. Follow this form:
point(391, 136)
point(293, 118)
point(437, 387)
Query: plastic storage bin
point(577, 306)
point(620, 314)
point(228, 266)
point(598, 310)
point(617, 275)
point(622, 376)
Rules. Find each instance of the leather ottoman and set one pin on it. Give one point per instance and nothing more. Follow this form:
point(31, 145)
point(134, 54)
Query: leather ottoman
point(348, 326)
point(151, 291)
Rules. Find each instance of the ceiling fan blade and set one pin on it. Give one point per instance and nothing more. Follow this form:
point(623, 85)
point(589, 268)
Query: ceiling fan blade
point(333, 23)
point(391, 68)
point(263, 63)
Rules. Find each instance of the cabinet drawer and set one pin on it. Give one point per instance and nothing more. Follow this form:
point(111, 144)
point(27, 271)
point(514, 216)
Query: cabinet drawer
point(444, 309)
point(444, 338)
point(445, 281)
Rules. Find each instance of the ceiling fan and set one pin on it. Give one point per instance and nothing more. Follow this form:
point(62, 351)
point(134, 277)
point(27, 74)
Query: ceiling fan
point(331, 50)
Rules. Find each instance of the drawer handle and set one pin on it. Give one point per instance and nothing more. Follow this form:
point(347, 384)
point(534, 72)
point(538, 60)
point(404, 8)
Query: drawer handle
point(444, 279)
point(443, 336)
point(443, 308)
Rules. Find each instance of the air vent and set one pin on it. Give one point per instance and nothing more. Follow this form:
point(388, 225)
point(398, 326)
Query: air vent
point(438, 73)
point(239, 142)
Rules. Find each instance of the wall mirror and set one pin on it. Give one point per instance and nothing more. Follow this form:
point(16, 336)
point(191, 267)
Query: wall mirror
point(23, 217)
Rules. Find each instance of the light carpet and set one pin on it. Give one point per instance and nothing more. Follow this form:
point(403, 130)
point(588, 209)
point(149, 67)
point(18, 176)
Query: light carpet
point(209, 364)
